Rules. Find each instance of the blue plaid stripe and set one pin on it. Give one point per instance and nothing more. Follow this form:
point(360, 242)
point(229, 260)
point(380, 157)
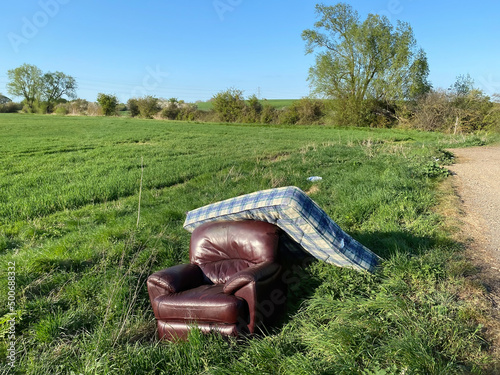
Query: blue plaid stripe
point(299, 216)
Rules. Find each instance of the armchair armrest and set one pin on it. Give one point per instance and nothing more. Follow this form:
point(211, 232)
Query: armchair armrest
point(175, 279)
point(255, 273)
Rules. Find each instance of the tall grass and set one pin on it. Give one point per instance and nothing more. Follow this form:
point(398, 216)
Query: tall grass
point(69, 215)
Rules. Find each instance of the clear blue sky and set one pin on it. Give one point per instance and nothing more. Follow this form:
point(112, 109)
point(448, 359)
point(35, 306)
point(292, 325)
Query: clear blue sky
point(193, 49)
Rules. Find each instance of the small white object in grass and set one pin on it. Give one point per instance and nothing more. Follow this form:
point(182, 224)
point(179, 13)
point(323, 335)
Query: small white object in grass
point(314, 178)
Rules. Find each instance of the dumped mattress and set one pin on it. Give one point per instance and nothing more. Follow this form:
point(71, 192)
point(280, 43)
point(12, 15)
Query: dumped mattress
point(299, 217)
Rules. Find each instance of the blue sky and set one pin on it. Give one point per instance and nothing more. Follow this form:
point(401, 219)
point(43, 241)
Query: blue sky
point(193, 49)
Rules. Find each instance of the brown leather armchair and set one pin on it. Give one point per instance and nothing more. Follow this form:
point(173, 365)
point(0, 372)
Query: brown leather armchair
point(232, 284)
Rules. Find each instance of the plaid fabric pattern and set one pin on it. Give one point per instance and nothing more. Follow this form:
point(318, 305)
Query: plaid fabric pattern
point(299, 216)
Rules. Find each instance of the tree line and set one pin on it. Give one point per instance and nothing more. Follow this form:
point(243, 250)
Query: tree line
point(367, 73)
point(41, 91)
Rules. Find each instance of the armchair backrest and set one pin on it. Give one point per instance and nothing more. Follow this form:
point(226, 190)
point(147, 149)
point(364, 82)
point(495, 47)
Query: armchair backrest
point(222, 248)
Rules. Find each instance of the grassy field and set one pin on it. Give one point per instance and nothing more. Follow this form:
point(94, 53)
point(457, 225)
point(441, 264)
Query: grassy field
point(69, 200)
point(276, 103)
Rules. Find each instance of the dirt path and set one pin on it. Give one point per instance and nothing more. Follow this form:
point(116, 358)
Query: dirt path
point(476, 178)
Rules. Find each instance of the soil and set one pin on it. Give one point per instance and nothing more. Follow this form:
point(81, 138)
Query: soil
point(476, 179)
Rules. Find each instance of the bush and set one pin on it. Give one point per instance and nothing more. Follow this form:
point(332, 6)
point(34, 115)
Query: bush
point(471, 111)
point(269, 114)
point(148, 106)
point(189, 112)
point(305, 111)
point(171, 109)
point(10, 107)
point(229, 105)
point(433, 112)
point(42, 107)
point(78, 107)
point(62, 109)
point(288, 116)
point(133, 107)
point(493, 118)
point(252, 110)
point(309, 111)
point(108, 103)
point(94, 109)
point(455, 110)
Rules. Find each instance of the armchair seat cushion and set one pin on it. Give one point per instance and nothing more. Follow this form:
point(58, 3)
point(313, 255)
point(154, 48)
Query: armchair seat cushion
point(206, 303)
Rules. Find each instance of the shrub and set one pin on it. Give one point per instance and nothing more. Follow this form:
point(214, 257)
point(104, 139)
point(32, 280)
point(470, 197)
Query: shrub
point(171, 109)
point(471, 111)
point(433, 112)
point(78, 107)
point(308, 111)
point(229, 104)
point(252, 110)
point(10, 107)
point(458, 109)
point(133, 107)
point(269, 114)
point(170, 112)
point(108, 103)
point(62, 109)
point(189, 112)
point(288, 116)
point(148, 106)
point(42, 107)
point(94, 109)
point(493, 118)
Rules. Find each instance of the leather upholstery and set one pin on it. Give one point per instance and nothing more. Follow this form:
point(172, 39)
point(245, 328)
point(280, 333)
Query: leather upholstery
point(207, 303)
point(232, 285)
point(223, 248)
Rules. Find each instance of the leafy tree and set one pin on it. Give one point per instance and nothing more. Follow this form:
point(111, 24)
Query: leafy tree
point(26, 81)
point(29, 82)
point(133, 107)
point(363, 62)
point(148, 106)
point(108, 103)
point(462, 86)
point(229, 104)
point(55, 85)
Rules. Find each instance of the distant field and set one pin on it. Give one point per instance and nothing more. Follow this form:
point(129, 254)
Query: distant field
point(277, 103)
point(69, 195)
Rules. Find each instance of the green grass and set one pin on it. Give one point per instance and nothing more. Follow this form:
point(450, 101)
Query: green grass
point(68, 212)
point(276, 103)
